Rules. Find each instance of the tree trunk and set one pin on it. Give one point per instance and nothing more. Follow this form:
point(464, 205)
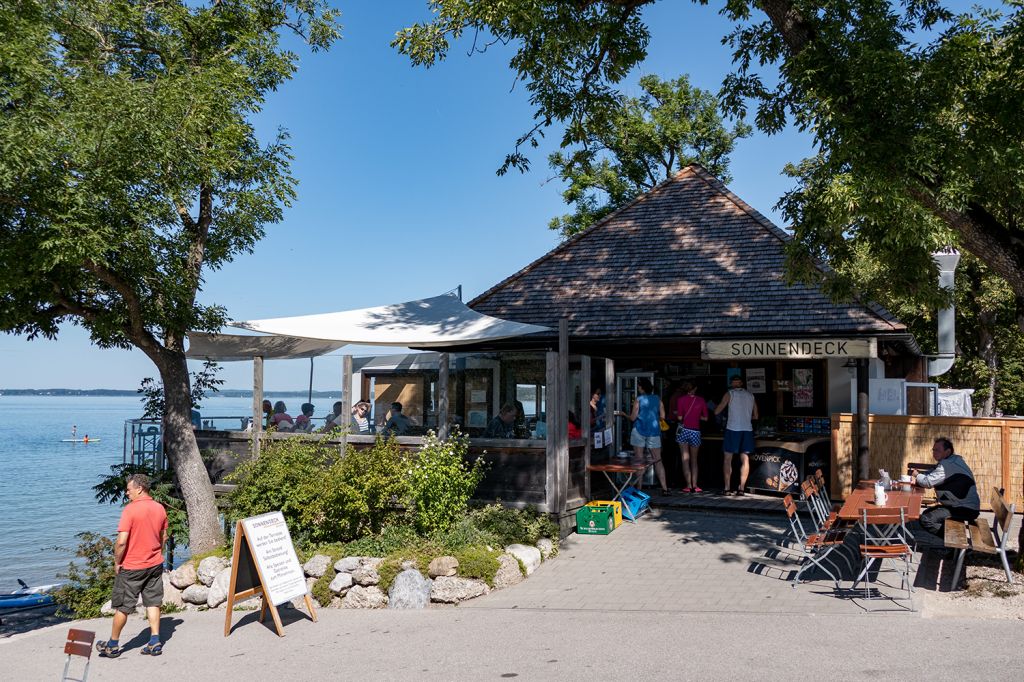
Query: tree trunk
point(990, 356)
point(181, 448)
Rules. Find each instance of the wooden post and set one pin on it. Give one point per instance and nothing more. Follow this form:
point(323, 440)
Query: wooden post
point(346, 399)
point(561, 421)
point(257, 403)
point(551, 445)
point(442, 396)
point(584, 417)
point(1004, 471)
point(609, 406)
point(862, 456)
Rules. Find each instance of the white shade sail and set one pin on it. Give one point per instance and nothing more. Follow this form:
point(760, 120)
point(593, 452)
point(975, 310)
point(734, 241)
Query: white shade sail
point(436, 322)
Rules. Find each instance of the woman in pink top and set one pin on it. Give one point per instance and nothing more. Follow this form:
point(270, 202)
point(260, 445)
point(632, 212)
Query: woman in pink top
point(691, 410)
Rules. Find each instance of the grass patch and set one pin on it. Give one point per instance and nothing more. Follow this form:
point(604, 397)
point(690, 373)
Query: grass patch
point(224, 552)
point(322, 588)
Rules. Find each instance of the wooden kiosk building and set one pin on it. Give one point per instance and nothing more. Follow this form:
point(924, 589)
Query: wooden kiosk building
point(686, 282)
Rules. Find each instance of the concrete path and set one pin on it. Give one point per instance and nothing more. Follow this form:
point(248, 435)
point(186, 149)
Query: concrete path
point(677, 561)
point(482, 644)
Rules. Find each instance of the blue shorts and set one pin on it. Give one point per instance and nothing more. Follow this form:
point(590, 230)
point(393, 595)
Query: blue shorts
point(685, 436)
point(738, 441)
point(639, 441)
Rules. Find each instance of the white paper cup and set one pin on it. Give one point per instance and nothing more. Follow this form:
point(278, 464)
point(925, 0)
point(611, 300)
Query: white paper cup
point(905, 478)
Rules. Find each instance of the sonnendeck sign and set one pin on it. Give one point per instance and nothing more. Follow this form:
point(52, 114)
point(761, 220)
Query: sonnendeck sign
point(788, 349)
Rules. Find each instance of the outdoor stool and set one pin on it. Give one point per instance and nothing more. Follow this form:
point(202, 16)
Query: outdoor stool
point(79, 643)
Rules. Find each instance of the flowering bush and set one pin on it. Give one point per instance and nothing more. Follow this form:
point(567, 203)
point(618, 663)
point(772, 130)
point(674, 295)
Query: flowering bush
point(442, 482)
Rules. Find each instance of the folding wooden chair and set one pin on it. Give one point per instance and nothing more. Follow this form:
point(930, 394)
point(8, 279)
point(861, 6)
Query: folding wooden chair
point(79, 643)
point(885, 533)
point(815, 547)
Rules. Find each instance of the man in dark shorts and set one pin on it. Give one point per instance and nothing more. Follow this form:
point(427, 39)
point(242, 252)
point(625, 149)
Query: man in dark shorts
point(139, 564)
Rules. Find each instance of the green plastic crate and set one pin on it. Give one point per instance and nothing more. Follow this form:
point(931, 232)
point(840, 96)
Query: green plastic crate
point(595, 520)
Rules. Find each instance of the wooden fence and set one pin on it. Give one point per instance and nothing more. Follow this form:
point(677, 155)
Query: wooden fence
point(993, 448)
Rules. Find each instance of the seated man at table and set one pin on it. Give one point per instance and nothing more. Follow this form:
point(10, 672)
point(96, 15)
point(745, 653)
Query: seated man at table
point(954, 486)
point(504, 423)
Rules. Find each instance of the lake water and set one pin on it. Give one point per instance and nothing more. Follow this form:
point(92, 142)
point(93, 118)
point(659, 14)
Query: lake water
point(46, 495)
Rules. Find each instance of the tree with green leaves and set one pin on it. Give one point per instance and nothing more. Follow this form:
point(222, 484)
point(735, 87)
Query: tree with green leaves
point(642, 142)
point(914, 112)
point(129, 166)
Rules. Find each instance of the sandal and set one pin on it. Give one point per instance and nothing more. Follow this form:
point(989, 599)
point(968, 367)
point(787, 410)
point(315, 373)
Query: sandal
point(687, 490)
point(740, 493)
point(667, 492)
point(153, 649)
point(106, 651)
point(697, 489)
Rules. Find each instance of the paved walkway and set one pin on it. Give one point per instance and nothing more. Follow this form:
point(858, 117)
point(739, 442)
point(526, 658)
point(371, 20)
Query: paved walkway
point(680, 561)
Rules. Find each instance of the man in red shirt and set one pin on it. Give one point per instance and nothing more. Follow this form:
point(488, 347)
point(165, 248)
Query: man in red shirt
point(139, 565)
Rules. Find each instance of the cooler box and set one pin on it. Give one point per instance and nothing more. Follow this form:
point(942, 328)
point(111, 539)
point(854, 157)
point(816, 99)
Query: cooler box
point(609, 503)
point(634, 502)
point(593, 520)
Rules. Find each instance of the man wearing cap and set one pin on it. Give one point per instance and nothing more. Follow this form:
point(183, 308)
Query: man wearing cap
point(739, 430)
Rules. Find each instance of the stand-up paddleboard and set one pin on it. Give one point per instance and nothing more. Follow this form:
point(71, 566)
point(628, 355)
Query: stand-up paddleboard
point(80, 440)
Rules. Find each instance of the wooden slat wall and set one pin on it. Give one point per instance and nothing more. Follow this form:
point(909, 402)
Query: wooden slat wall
point(992, 447)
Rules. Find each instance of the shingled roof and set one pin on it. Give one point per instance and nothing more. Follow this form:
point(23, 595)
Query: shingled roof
point(687, 259)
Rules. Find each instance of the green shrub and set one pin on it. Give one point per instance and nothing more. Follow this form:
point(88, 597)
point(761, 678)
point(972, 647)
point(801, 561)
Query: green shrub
point(289, 475)
point(478, 562)
point(322, 587)
point(442, 482)
point(510, 526)
point(88, 585)
point(464, 534)
point(391, 539)
point(359, 494)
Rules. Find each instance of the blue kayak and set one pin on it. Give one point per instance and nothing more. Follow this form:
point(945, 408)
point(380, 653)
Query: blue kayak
point(24, 600)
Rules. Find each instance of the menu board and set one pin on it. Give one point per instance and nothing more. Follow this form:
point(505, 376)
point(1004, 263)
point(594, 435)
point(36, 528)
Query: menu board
point(274, 554)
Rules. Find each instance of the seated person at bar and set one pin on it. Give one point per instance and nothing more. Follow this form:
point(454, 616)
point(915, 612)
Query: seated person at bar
point(281, 419)
point(504, 423)
point(268, 414)
point(398, 424)
point(334, 419)
point(954, 486)
point(303, 421)
point(361, 423)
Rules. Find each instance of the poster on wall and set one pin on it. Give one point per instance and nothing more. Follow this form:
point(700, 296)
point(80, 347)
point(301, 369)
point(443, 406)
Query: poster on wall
point(598, 439)
point(755, 380)
point(803, 388)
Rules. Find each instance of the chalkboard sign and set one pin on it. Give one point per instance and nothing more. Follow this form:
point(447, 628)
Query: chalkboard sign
point(775, 469)
point(264, 563)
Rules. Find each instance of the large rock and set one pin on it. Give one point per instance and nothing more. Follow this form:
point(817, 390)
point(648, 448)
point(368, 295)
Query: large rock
point(348, 564)
point(184, 575)
point(317, 566)
point(508, 573)
point(546, 547)
point(341, 583)
point(107, 609)
point(196, 594)
point(365, 576)
point(218, 593)
point(172, 595)
point(452, 590)
point(443, 566)
point(209, 568)
point(409, 591)
point(530, 556)
point(360, 597)
point(371, 561)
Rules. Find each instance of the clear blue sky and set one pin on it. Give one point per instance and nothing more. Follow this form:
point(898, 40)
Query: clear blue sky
point(398, 198)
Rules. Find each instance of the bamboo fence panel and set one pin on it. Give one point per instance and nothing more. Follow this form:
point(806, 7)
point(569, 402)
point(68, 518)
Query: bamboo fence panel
point(993, 448)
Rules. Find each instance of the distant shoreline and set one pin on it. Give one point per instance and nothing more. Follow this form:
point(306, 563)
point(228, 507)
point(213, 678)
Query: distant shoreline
point(114, 392)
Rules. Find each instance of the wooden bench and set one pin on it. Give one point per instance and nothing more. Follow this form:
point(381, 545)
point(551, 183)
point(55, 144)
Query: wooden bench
point(979, 536)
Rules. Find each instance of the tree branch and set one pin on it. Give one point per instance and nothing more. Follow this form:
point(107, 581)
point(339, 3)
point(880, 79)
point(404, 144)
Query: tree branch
point(136, 330)
point(795, 30)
